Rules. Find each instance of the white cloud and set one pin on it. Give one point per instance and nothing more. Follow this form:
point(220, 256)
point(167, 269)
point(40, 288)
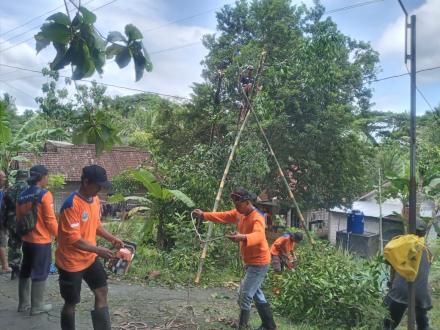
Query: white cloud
point(392, 42)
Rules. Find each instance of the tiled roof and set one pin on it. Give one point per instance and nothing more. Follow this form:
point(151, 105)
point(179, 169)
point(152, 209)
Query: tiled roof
point(70, 159)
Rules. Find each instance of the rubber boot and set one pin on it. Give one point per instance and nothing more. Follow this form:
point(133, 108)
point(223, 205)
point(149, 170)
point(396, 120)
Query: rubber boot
point(101, 319)
point(266, 317)
point(24, 294)
point(67, 321)
point(37, 298)
point(243, 323)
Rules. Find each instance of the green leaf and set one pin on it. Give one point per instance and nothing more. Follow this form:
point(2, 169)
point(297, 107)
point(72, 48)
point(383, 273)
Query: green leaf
point(77, 20)
point(55, 32)
point(19, 158)
point(123, 58)
point(89, 17)
point(114, 199)
point(139, 65)
point(41, 42)
point(136, 210)
point(182, 197)
point(115, 36)
point(149, 181)
point(133, 32)
point(59, 18)
point(113, 50)
point(62, 58)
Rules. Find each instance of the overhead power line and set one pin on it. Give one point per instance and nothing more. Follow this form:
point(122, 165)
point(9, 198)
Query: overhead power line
point(39, 25)
point(356, 5)
point(186, 98)
point(101, 83)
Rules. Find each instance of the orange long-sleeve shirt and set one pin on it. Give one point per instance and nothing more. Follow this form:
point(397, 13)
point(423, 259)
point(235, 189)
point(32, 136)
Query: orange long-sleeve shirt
point(255, 250)
point(283, 245)
point(46, 225)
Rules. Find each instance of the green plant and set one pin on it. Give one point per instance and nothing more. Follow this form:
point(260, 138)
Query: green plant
point(332, 289)
point(56, 182)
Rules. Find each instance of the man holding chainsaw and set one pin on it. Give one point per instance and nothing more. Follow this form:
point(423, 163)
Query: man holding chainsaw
point(255, 253)
point(282, 251)
point(77, 252)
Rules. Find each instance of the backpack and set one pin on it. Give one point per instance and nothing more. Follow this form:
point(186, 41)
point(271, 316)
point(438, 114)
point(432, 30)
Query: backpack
point(404, 254)
point(27, 221)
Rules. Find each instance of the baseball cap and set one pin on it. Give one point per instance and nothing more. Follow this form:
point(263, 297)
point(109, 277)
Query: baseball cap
point(240, 195)
point(96, 174)
point(38, 171)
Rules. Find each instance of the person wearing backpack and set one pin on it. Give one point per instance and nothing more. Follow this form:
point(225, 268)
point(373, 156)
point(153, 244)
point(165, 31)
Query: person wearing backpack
point(37, 224)
point(397, 298)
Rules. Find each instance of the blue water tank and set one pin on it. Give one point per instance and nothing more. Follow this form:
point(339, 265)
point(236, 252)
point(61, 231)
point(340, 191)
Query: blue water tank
point(355, 222)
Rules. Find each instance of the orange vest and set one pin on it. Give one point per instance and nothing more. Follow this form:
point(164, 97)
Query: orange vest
point(46, 225)
point(255, 250)
point(79, 219)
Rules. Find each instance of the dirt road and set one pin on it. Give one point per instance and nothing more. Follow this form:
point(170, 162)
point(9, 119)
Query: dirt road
point(155, 307)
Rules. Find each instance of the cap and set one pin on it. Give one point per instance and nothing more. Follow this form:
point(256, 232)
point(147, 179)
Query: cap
point(297, 236)
point(240, 195)
point(38, 171)
point(96, 174)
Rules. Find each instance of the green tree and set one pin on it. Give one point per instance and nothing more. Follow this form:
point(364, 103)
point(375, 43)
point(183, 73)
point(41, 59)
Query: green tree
point(12, 142)
point(78, 43)
point(312, 91)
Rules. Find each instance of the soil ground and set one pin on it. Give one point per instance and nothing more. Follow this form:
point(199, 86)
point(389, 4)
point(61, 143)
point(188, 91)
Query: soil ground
point(154, 307)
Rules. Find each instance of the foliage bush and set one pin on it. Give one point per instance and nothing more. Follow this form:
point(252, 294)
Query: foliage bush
point(331, 289)
point(178, 265)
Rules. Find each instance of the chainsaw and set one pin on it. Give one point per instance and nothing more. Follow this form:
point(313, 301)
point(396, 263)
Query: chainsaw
point(121, 261)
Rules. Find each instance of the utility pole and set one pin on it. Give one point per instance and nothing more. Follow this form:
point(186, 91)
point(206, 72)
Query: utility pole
point(380, 212)
point(412, 175)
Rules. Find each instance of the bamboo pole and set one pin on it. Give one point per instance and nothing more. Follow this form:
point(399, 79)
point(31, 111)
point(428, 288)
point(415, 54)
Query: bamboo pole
point(225, 173)
point(218, 197)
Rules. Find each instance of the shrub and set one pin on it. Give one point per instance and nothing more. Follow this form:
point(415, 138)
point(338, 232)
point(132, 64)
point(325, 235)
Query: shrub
point(331, 289)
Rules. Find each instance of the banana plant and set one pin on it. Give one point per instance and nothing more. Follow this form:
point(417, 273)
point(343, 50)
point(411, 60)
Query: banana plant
point(156, 200)
point(11, 143)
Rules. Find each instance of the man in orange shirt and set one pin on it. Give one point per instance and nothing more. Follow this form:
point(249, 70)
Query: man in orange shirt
point(37, 254)
point(77, 252)
point(282, 251)
point(254, 250)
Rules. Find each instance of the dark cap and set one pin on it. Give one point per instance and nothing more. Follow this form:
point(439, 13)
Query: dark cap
point(96, 174)
point(38, 171)
point(240, 195)
point(298, 237)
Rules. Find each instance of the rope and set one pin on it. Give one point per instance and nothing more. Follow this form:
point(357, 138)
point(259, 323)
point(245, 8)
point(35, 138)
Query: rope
point(199, 235)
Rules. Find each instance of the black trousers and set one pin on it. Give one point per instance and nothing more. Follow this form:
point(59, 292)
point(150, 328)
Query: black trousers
point(397, 310)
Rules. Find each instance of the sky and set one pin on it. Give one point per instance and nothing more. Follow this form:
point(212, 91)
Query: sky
point(173, 30)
